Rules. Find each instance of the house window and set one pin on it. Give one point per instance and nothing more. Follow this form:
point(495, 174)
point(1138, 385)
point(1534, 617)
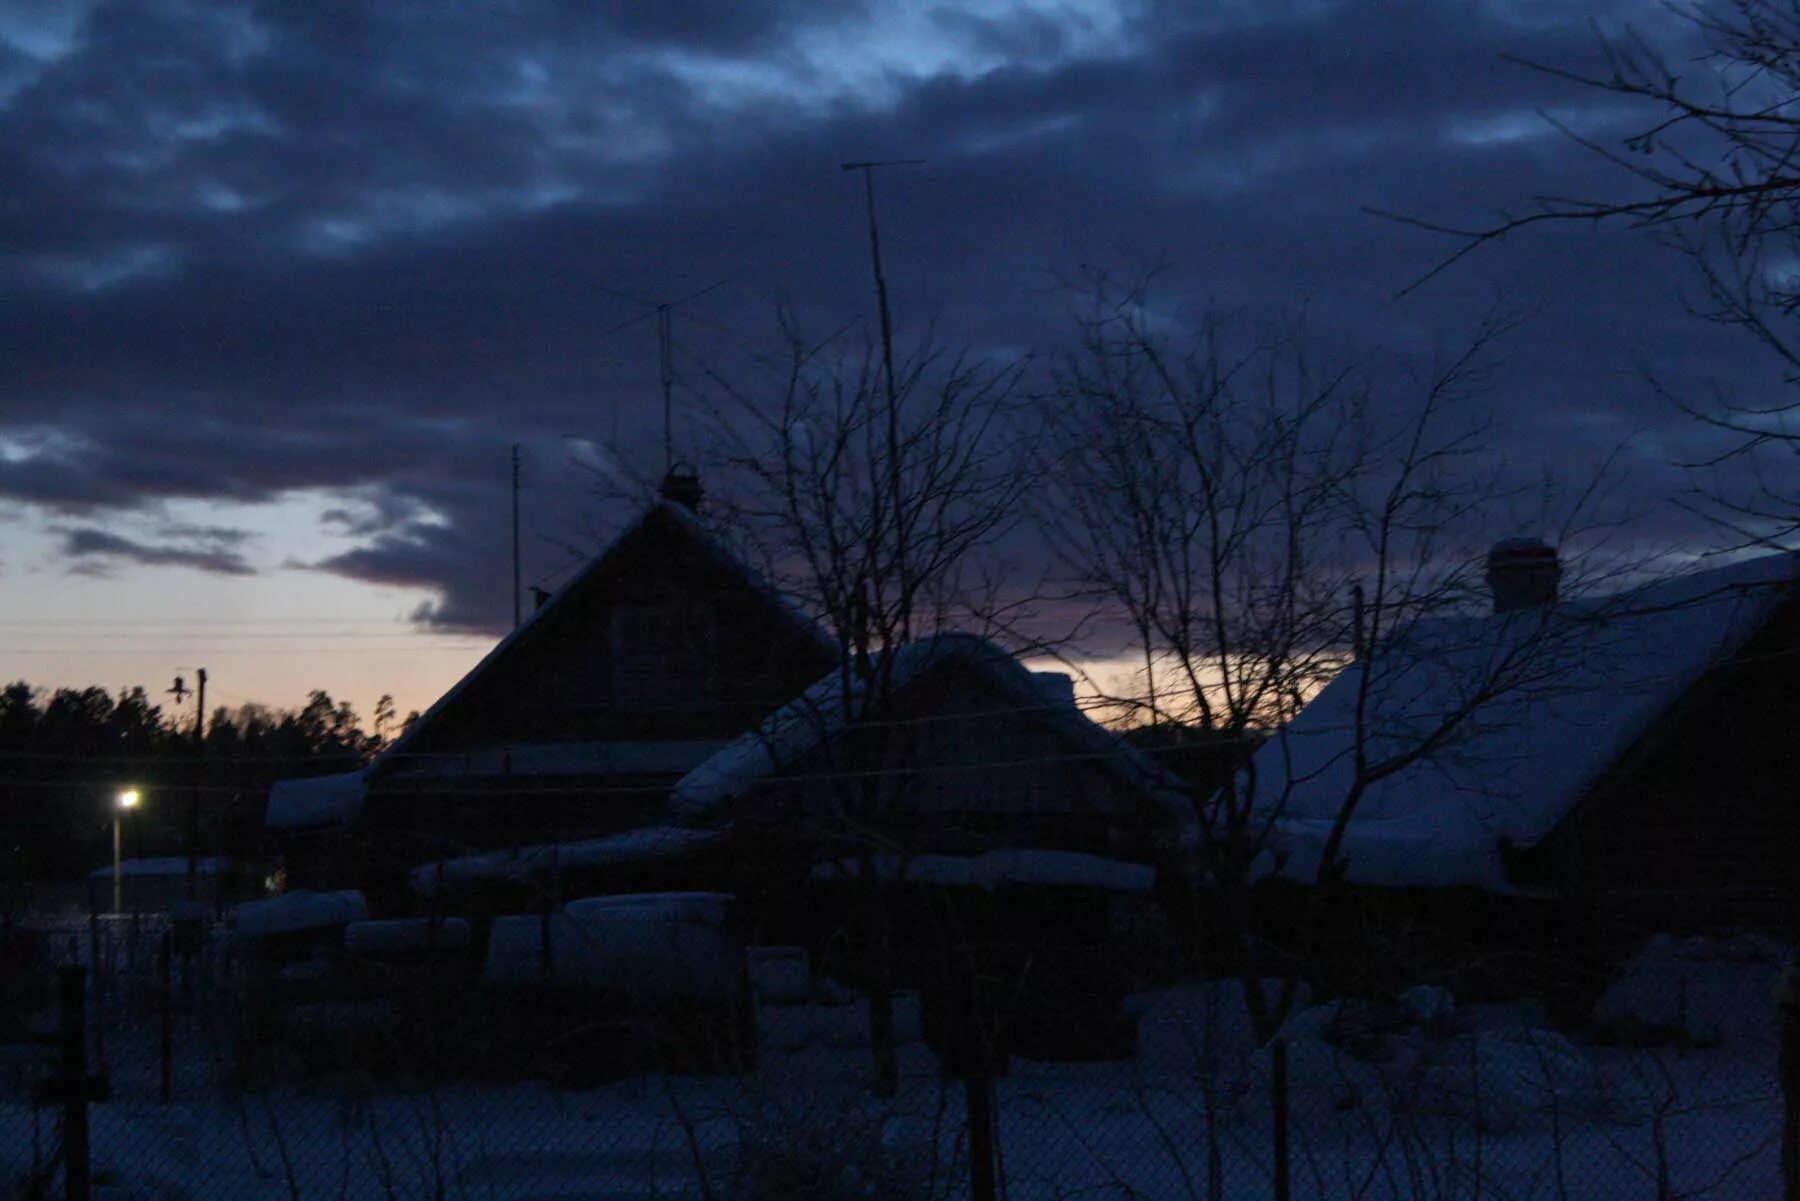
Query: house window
point(662, 655)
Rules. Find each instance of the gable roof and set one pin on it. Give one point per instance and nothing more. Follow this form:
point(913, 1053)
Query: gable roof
point(336, 800)
point(681, 519)
point(823, 710)
point(1553, 697)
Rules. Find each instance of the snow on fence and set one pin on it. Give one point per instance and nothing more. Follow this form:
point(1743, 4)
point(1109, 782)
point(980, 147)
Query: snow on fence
point(1672, 1091)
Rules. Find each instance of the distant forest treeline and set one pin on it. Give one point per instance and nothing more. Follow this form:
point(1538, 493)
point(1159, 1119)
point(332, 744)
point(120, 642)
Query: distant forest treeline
point(66, 754)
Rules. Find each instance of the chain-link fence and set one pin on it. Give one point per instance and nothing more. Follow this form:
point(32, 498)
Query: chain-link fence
point(383, 1067)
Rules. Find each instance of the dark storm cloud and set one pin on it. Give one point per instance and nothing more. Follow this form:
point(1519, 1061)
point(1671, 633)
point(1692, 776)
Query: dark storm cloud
point(364, 247)
point(95, 551)
point(423, 555)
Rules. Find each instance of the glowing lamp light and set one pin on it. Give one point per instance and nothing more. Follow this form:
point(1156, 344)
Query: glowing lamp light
point(126, 801)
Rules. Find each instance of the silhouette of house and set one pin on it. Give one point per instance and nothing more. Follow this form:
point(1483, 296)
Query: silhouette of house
point(1630, 767)
point(665, 722)
point(656, 653)
point(666, 719)
point(958, 750)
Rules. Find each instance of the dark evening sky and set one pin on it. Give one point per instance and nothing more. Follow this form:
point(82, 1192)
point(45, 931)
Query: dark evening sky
point(284, 281)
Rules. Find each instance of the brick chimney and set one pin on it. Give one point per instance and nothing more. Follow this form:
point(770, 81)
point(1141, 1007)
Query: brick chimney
point(1057, 688)
point(682, 487)
point(1522, 573)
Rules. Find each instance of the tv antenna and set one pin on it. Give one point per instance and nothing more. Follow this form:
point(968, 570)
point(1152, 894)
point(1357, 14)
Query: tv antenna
point(664, 312)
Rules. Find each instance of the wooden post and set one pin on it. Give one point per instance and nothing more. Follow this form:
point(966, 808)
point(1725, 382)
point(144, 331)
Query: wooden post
point(1278, 1102)
point(1787, 1012)
point(74, 1083)
point(98, 978)
point(165, 1004)
point(978, 1091)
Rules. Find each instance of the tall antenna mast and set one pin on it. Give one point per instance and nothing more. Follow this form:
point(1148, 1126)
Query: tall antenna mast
point(515, 532)
point(881, 293)
point(665, 353)
point(664, 312)
point(895, 483)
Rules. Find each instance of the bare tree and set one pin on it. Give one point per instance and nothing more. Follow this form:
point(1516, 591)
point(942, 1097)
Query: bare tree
point(878, 503)
point(1260, 526)
point(1713, 173)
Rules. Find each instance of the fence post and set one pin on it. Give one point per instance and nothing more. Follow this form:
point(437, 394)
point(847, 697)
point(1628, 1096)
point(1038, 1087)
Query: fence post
point(165, 1004)
point(74, 1083)
point(1278, 1101)
point(1787, 1011)
point(978, 1090)
point(97, 981)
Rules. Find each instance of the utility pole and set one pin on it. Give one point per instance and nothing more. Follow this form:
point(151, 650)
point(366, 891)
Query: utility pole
point(515, 532)
point(193, 823)
point(887, 334)
point(665, 355)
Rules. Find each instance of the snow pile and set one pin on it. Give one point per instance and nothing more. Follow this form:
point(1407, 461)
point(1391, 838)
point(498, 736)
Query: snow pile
point(844, 1026)
point(408, 935)
point(654, 946)
point(1505, 1079)
point(833, 1144)
point(998, 869)
point(780, 975)
point(163, 866)
point(1429, 1004)
point(1195, 1030)
point(301, 910)
point(1702, 991)
point(524, 864)
point(1415, 1055)
point(316, 801)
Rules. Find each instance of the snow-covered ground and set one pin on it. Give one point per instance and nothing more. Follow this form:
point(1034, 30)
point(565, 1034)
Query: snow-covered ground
point(1418, 1099)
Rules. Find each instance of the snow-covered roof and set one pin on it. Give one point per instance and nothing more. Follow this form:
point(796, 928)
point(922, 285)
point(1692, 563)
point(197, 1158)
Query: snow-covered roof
point(300, 910)
point(400, 749)
point(318, 801)
point(521, 864)
point(823, 710)
point(1553, 697)
point(398, 935)
point(701, 908)
point(164, 866)
point(998, 869)
point(314, 801)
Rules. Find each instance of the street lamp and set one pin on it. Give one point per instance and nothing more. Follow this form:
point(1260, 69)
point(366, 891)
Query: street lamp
point(126, 800)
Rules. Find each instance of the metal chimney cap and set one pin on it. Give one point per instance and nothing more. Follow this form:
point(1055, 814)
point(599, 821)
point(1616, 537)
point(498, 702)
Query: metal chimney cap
point(681, 486)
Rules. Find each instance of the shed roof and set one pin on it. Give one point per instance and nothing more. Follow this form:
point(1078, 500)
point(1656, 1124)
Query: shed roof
point(824, 710)
point(522, 864)
point(1526, 712)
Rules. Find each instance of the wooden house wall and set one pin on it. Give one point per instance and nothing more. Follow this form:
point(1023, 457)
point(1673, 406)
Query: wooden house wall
point(418, 820)
point(558, 684)
point(1699, 828)
point(727, 657)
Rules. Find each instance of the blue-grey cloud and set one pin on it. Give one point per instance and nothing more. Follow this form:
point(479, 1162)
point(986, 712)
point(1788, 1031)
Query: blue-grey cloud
point(364, 247)
point(97, 551)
